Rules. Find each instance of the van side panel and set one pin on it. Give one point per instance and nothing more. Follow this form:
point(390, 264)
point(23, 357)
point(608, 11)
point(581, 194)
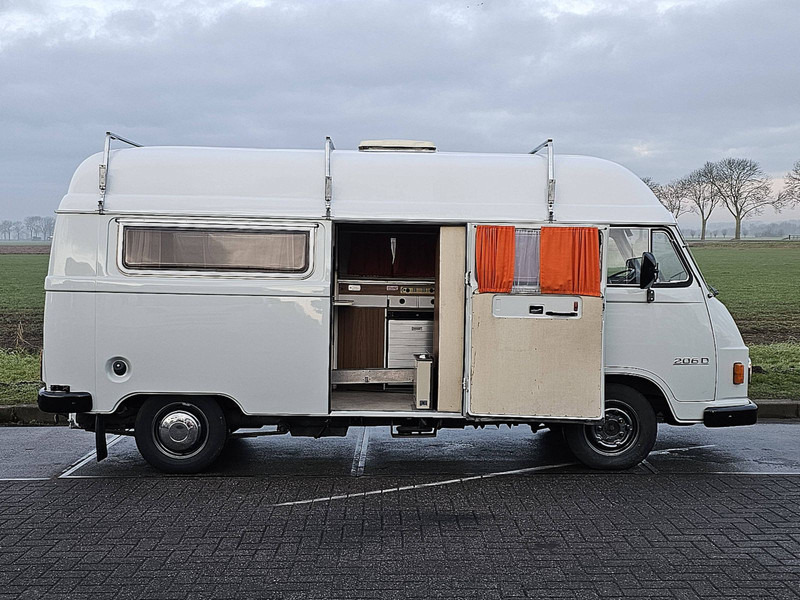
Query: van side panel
point(69, 310)
point(261, 340)
point(268, 353)
point(69, 340)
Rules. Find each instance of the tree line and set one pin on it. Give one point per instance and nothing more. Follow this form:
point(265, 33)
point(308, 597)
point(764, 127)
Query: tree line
point(30, 228)
point(738, 184)
point(755, 229)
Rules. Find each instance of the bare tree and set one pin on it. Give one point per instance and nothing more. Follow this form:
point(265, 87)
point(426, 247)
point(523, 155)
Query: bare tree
point(33, 225)
point(745, 189)
point(48, 225)
point(654, 187)
point(5, 229)
point(791, 185)
point(672, 195)
point(17, 228)
point(674, 198)
point(699, 189)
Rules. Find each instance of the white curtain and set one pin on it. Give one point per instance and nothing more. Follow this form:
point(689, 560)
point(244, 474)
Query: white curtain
point(526, 261)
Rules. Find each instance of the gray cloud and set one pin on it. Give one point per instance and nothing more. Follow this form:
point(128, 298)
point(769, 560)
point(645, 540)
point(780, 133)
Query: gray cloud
point(658, 87)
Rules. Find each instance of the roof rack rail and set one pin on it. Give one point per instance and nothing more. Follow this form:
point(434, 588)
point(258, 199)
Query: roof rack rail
point(104, 166)
point(551, 178)
point(329, 147)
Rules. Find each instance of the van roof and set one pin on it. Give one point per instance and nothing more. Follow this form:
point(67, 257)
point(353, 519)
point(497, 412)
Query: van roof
point(396, 186)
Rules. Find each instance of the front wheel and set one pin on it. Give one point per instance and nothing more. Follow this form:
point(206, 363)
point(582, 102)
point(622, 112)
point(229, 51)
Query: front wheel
point(624, 437)
point(180, 436)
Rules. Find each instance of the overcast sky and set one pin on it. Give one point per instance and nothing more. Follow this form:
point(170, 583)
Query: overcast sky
point(658, 86)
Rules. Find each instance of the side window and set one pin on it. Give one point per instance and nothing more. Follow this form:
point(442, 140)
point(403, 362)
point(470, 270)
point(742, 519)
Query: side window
point(670, 267)
point(215, 249)
point(624, 257)
point(526, 261)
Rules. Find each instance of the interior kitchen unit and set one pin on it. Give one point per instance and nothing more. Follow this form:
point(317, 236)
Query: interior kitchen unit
point(388, 318)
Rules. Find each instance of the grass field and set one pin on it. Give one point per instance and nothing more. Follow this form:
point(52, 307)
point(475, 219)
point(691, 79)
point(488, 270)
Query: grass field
point(22, 300)
point(757, 281)
point(19, 377)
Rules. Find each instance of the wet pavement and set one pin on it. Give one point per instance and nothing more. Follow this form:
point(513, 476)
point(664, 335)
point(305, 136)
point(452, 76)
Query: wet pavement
point(46, 452)
point(712, 513)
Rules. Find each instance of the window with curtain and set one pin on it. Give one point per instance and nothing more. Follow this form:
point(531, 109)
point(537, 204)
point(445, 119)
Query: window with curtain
point(208, 249)
point(526, 261)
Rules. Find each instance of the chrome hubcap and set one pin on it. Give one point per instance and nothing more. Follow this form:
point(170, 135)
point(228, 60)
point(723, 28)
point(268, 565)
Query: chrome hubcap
point(615, 433)
point(179, 431)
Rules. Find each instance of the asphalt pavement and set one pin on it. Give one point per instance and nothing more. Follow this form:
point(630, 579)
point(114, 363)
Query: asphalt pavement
point(469, 514)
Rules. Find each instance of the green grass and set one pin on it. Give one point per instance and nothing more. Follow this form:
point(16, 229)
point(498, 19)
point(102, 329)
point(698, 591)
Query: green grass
point(19, 377)
point(781, 371)
point(22, 300)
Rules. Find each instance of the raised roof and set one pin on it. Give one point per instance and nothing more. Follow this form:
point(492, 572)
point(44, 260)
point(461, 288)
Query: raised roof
point(405, 186)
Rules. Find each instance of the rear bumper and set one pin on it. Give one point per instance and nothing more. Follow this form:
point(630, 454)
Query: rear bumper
point(64, 402)
point(731, 416)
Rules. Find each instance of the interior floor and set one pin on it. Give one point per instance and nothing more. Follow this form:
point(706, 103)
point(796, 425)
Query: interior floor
point(371, 400)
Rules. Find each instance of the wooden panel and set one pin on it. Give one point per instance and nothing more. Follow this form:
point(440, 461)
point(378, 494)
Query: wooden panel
point(536, 367)
point(449, 317)
point(361, 333)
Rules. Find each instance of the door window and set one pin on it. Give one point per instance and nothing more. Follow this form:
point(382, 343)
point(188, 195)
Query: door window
point(624, 259)
point(670, 267)
point(625, 256)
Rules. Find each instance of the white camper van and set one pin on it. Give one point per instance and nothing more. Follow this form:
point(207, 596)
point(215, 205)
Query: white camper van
point(193, 292)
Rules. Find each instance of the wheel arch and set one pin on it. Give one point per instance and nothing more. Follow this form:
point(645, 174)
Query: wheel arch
point(650, 390)
point(126, 410)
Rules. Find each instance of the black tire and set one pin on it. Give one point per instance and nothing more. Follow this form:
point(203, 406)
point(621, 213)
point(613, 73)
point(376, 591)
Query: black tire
point(625, 436)
point(193, 433)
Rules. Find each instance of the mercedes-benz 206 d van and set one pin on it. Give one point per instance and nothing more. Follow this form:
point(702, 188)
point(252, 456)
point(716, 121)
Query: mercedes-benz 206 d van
point(196, 291)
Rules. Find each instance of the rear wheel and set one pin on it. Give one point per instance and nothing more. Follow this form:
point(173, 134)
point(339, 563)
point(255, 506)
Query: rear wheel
point(180, 436)
point(623, 438)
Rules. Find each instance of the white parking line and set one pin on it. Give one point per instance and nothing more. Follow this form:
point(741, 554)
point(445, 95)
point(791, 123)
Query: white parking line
point(685, 449)
point(362, 455)
point(424, 485)
point(781, 473)
point(646, 464)
point(86, 458)
point(24, 478)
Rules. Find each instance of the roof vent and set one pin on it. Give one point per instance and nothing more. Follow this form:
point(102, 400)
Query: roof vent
point(396, 146)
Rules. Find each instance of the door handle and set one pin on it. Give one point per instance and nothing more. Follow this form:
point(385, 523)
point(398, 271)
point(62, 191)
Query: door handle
point(552, 313)
point(536, 309)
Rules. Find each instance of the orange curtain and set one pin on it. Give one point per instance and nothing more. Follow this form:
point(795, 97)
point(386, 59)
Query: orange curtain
point(570, 261)
point(494, 258)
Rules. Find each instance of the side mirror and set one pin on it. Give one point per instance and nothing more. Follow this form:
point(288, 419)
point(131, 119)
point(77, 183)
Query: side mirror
point(649, 274)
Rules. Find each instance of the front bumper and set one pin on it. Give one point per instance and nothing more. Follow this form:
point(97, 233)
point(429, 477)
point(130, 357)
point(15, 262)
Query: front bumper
point(64, 402)
point(731, 416)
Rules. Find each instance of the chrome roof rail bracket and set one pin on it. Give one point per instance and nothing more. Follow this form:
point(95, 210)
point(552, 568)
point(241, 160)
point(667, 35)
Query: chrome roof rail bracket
point(329, 147)
point(103, 181)
point(551, 178)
